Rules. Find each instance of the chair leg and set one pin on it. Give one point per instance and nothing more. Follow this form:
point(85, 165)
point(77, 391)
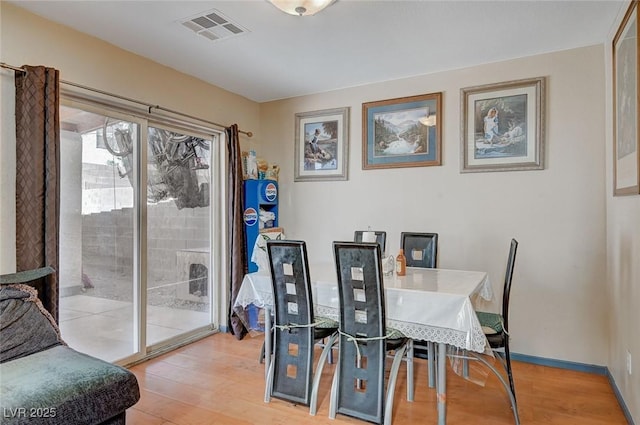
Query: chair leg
point(269, 381)
point(507, 355)
point(391, 385)
point(330, 357)
point(333, 400)
point(502, 356)
point(511, 395)
point(261, 359)
point(410, 384)
point(326, 351)
point(441, 384)
point(268, 341)
point(465, 364)
point(431, 363)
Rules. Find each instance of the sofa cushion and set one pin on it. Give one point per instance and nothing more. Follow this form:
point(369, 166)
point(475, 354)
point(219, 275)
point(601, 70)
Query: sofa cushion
point(68, 386)
point(25, 326)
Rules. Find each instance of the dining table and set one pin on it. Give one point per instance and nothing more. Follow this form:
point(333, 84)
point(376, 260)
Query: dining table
point(433, 305)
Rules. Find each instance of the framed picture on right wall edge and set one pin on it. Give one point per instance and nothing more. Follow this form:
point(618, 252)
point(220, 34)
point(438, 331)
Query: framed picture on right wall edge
point(626, 155)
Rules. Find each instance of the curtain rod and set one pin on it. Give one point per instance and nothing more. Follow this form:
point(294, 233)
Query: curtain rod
point(149, 106)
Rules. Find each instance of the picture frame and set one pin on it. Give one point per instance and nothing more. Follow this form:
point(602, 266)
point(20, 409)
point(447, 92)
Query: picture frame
point(322, 145)
point(503, 126)
point(402, 132)
point(626, 152)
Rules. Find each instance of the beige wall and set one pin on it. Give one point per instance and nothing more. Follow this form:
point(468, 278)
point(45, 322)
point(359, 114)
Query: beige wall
point(577, 279)
point(576, 293)
point(557, 214)
point(623, 269)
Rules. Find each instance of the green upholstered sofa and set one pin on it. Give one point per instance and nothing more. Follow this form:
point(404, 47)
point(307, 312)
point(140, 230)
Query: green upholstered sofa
point(42, 380)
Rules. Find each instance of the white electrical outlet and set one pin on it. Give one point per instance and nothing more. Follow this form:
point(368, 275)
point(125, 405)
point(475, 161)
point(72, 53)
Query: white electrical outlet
point(628, 362)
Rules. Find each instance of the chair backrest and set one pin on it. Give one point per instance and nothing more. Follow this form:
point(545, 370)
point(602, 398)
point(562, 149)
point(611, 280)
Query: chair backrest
point(362, 315)
point(420, 249)
point(507, 283)
point(293, 305)
point(381, 237)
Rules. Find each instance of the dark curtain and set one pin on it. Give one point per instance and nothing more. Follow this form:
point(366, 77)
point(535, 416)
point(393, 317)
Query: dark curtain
point(237, 254)
point(37, 177)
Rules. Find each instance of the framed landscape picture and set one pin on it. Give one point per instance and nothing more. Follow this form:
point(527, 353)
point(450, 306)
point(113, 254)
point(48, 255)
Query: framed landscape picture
point(322, 145)
point(626, 155)
point(402, 132)
point(502, 126)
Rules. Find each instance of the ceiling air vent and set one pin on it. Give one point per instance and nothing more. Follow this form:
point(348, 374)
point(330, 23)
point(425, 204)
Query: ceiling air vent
point(213, 25)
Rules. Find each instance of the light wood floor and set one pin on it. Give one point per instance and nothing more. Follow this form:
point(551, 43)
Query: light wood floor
point(218, 380)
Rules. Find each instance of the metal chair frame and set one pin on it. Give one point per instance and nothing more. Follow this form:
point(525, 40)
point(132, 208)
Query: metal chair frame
point(428, 244)
point(290, 372)
point(358, 388)
point(499, 342)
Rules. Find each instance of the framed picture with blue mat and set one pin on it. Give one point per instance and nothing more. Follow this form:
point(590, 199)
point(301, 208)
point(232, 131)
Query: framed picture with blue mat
point(402, 132)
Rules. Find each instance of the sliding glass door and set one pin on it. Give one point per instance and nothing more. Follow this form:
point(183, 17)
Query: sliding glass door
point(136, 233)
point(178, 233)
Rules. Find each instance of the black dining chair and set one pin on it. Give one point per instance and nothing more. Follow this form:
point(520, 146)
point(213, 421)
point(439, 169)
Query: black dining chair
point(381, 237)
point(420, 249)
point(496, 326)
point(296, 329)
point(496, 329)
point(358, 388)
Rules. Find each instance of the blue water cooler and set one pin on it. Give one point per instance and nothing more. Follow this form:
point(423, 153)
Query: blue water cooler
point(258, 195)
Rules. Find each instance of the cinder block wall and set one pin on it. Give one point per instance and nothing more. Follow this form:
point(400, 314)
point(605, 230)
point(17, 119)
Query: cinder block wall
point(107, 241)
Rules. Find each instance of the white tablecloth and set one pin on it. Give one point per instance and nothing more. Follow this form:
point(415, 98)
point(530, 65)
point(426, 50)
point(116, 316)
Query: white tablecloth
point(427, 304)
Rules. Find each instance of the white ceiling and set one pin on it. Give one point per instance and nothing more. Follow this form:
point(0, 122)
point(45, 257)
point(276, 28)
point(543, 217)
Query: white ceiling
point(351, 43)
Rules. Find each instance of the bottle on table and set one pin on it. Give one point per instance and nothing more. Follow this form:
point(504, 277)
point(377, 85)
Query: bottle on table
point(401, 263)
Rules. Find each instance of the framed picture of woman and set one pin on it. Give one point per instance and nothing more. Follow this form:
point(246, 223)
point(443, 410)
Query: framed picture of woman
point(502, 126)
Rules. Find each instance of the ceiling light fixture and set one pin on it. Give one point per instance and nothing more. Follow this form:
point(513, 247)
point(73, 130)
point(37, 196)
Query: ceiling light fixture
point(301, 7)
